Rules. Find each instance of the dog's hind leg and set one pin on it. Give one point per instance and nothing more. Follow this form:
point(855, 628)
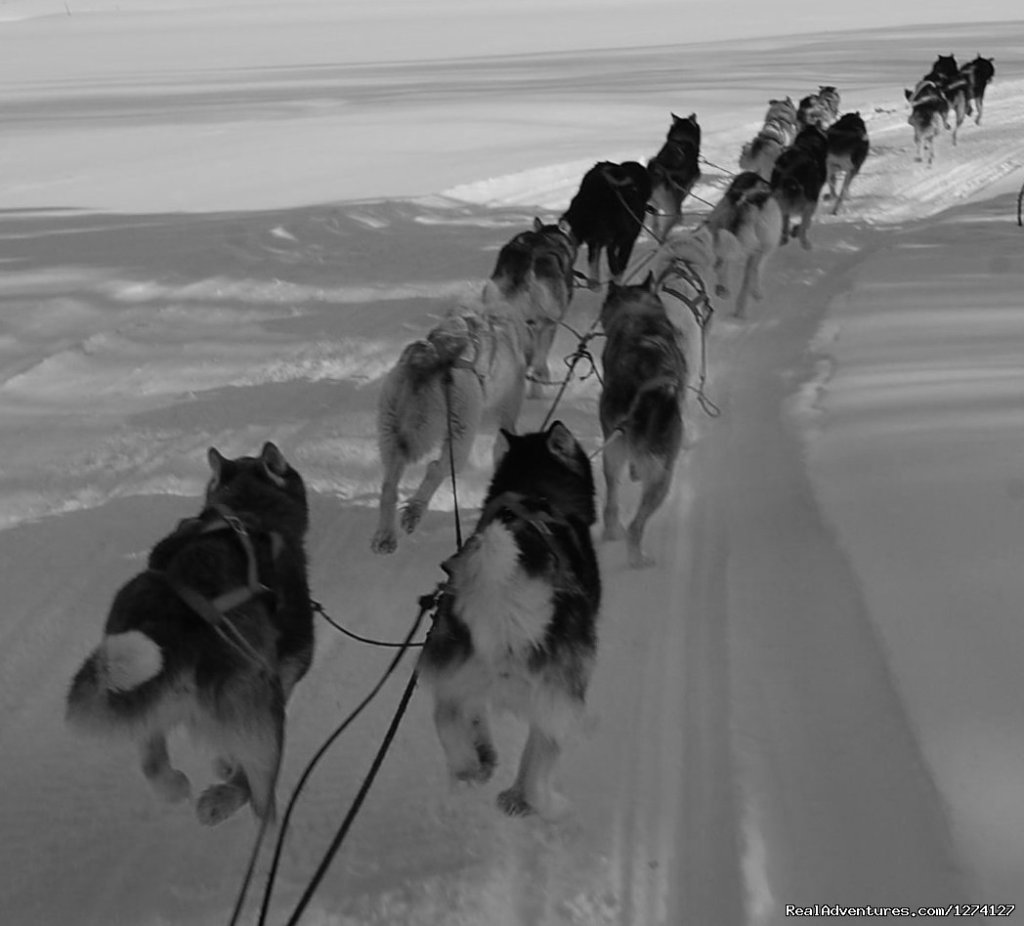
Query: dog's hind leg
point(385, 540)
point(750, 288)
point(806, 215)
point(533, 790)
point(253, 743)
point(618, 258)
point(847, 180)
point(166, 780)
point(613, 458)
point(465, 734)
point(546, 329)
point(594, 266)
point(464, 425)
point(460, 716)
point(657, 481)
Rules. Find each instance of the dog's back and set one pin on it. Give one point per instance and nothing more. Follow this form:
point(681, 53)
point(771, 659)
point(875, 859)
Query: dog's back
point(166, 658)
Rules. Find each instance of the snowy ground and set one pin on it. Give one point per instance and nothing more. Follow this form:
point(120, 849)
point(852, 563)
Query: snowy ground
point(815, 699)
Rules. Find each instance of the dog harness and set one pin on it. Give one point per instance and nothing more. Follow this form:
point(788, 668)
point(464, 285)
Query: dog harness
point(216, 611)
point(536, 514)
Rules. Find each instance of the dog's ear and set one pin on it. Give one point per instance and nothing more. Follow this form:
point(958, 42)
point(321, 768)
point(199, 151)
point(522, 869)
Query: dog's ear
point(274, 463)
point(907, 93)
point(566, 229)
point(216, 461)
point(562, 445)
point(509, 436)
point(693, 118)
point(538, 225)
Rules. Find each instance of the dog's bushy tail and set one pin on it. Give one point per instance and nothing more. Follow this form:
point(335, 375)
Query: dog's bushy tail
point(654, 426)
point(105, 692)
point(512, 272)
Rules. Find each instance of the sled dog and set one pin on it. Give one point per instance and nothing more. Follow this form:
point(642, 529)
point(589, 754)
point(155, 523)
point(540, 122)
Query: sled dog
point(778, 131)
point(534, 271)
point(472, 361)
point(212, 636)
point(847, 149)
point(607, 213)
point(929, 92)
point(673, 172)
point(686, 275)
point(641, 401)
point(797, 180)
point(979, 74)
point(747, 224)
point(828, 102)
point(516, 626)
point(927, 115)
point(944, 70)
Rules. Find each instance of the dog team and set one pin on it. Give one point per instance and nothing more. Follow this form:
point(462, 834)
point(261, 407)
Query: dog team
point(214, 634)
point(946, 88)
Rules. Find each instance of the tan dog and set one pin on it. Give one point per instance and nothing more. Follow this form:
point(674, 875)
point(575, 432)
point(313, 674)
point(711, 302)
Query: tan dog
point(747, 224)
point(473, 361)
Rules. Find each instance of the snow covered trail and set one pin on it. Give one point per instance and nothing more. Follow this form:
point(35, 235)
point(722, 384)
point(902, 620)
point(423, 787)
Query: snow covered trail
point(756, 735)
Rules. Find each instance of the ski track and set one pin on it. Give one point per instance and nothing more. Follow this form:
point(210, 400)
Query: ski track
point(684, 818)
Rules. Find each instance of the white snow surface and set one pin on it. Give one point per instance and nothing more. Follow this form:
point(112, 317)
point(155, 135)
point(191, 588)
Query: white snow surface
point(815, 697)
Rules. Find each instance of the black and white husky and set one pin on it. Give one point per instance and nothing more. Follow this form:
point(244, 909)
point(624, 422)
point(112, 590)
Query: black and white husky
point(673, 171)
point(212, 636)
point(641, 406)
point(848, 148)
point(516, 627)
point(797, 179)
point(534, 272)
point(979, 74)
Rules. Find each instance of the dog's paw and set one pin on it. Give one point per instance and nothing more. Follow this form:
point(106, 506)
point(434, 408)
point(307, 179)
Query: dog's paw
point(637, 558)
point(411, 515)
point(219, 802)
point(514, 803)
point(613, 530)
point(384, 542)
point(173, 786)
point(805, 244)
point(480, 770)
